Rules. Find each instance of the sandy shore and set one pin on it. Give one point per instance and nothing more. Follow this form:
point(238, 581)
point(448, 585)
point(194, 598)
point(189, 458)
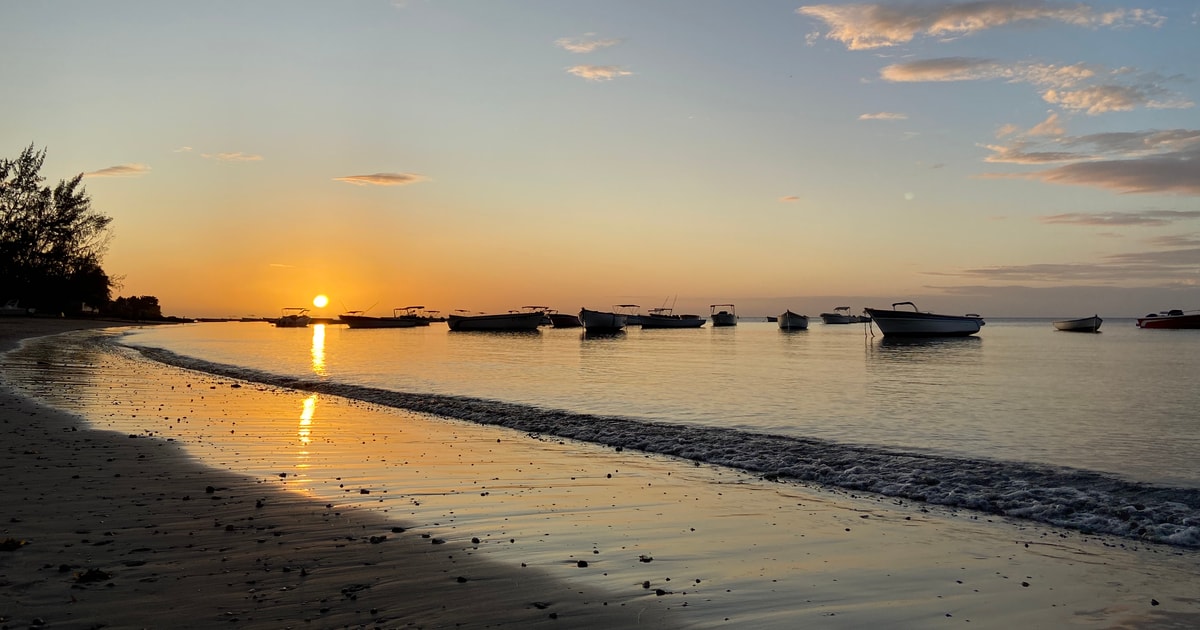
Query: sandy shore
point(104, 530)
point(484, 527)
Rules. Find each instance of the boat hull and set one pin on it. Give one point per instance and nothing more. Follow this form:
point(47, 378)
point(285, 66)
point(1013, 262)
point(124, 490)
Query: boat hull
point(1170, 322)
point(912, 324)
point(672, 321)
point(365, 321)
point(503, 322)
point(565, 320)
point(792, 321)
point(602, 321)
point(1083, 324)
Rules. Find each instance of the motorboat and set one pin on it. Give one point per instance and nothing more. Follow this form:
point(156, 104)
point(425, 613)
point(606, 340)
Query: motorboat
point(913, 323)
point(841, 315)
point(666, 318)
point(792, 321)
point(1083, 324)
point(423, 317)
point(400, 319)
point(293, 317)
point(603, 321)
point(513, 321)
point(1172, 319)
point(725, 316)
point(564, 320)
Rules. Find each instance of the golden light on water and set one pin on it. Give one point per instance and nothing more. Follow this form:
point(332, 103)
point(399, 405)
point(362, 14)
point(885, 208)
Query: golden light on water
point(306, 416)
point(318, 349)
point(321, 301)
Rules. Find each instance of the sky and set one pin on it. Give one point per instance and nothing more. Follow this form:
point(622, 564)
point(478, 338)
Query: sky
point(1001, 157)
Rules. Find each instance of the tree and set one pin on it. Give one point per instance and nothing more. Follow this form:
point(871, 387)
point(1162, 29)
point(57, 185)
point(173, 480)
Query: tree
point(51, 240)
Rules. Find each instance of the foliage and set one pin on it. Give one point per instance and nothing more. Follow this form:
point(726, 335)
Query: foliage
point(51, 240)
point(144, 308)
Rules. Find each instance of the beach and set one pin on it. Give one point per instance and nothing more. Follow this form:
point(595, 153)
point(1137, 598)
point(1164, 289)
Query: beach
point(493, 528)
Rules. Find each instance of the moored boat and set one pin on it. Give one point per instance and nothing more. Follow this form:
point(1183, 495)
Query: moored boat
point(602, 321)
point(1174, 319)
point(1083, 324)
point(792, 321)
point(840, 315)
point(666, 318)
point(905, 323)
point(293, 317)
point(400, 319)
point(564, 320)
point(461, 321)
point(726, 316)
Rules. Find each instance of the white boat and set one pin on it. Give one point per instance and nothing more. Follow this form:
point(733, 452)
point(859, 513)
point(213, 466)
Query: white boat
point(400, 319)
point(906, 323)
point(293, 317)
point(513, 321)
point(666, 318)
point(726, 316)
point(792, 321)
point(841, 315)
point(1083, 324)
point(603, 321)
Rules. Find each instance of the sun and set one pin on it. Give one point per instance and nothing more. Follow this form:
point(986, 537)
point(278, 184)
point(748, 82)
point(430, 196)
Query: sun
point(320, 301)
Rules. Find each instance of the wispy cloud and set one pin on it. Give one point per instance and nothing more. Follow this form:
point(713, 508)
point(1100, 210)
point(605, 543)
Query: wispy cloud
point(1078, 87)
point(789, 199)
point(598, 73)
point(182, 150)
point(1143, 218)
point(121, 170)
point(883, 116)
point(382, 179)
point(236, 156)
point(1165, 267)
point(1155, 161)
point(585, 44)
point(880, 25)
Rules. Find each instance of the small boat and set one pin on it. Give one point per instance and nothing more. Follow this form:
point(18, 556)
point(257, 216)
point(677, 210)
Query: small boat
point(603, 321)
point(841, 315)
point(727, 316)
point(1173, 319)
point(564, 320)
point(1083, 324)
point(792, 321)
point(293, 317)
point(666, 318)
point(422, 316)
point(906, 323)
point(513, 321)
point(400, 319)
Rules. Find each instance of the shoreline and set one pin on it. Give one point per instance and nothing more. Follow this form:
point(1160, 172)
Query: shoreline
point(110, 530)
point(741, 550)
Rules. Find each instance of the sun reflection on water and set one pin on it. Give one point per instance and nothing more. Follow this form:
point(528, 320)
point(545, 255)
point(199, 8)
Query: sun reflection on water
point(318, 349)
point(305, 430)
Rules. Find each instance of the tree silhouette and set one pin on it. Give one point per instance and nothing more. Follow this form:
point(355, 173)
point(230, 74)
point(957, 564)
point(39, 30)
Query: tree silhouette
point(51, 240)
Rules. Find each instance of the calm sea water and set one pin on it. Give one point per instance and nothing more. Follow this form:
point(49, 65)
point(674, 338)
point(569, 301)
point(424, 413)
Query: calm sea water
point(1096, 432)
point(1122, 401)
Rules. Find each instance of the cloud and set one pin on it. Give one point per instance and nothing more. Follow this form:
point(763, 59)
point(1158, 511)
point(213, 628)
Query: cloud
point(121, 170)
point(883, 116)
point(1155, 161)
point(585, 44)
point(789, 199)
point(1080, 87)
point(598, 73)
point(236, 156)
point(1048, 127)
point(1150, 268)
point(881, 25)
point(1145, 217)
point(382, 179)
point(182, 150)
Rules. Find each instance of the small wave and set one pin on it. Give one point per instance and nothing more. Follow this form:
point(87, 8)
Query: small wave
point(1086, 501)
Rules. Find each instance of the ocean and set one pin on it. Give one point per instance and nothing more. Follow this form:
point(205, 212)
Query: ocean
point(1092, 432)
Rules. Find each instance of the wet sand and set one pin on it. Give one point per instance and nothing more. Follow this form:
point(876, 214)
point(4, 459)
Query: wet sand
point(330, 513)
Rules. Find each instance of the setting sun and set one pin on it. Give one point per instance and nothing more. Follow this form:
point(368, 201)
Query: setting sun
point(320, 301)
